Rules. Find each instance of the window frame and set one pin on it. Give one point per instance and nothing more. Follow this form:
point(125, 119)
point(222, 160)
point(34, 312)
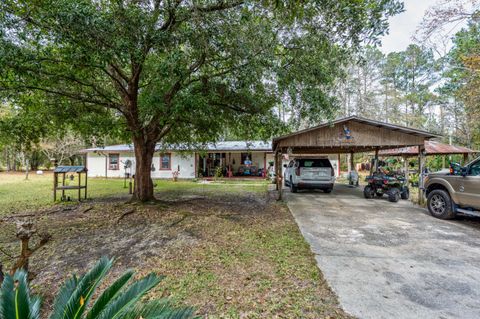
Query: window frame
point(110, 167)
point(471, 166)
point(169, 162)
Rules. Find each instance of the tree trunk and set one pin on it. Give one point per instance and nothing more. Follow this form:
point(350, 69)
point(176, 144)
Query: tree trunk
point(144, 151)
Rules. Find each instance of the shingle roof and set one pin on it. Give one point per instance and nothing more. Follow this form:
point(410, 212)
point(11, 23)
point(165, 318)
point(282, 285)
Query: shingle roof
point(218, 146)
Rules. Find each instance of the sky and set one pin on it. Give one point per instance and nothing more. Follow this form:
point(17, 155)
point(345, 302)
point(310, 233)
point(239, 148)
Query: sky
point(404, 25)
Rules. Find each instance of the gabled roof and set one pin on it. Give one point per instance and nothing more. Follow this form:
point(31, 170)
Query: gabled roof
point(431, 148)
point(354, 118)
point(218, 146)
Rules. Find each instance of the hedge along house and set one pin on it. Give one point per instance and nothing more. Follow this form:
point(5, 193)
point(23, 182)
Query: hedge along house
point(250, 159)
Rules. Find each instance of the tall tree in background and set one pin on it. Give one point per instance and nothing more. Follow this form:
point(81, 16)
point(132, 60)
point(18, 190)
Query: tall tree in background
point(462, 86)
point(177, 71)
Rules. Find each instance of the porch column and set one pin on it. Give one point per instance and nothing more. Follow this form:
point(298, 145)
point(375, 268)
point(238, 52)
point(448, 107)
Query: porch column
point(421, 166)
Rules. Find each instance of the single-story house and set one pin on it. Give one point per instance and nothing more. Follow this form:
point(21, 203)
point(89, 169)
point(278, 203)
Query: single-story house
point(229, 158)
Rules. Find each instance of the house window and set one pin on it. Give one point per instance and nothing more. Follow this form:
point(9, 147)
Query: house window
point(246, 158)
point(113, 160)
point(165, 161)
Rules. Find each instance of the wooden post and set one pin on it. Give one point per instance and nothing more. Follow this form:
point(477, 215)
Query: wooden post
point(86, 178)
point(79, 187)
point(54, 186)
point(421, 158)
point(278, 168)
point(405, 166)
point(339, 169)
point(351, 164)
point(465, 159)
point(63, 189)
point(374, 167)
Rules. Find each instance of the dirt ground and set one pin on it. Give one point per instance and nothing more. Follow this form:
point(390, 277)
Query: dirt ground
point(231, 255)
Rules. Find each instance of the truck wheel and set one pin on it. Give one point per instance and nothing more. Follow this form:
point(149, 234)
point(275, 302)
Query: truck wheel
point(440, 205)
point(405, 193)
point(327, 190)
point(394, 195)
point(368, 192)
point(293, 188)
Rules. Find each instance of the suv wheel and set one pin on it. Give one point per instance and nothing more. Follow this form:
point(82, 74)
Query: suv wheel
point(293, 188)
point(394, 195)
point(439, 204)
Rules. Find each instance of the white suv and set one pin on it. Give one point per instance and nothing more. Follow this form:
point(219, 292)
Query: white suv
point(309, 172)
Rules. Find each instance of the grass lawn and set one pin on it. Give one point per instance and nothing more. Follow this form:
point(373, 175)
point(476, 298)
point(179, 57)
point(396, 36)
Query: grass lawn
point(229, 249)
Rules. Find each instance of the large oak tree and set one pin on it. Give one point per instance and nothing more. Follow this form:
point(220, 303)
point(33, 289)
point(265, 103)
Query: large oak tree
point(179, 71)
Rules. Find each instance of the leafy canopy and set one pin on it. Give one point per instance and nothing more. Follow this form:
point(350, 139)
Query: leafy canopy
point(179, 70)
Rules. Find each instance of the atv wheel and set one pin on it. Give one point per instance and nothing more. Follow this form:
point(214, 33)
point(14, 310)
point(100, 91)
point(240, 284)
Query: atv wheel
point(379, 194)
point(405, 193)
point(368, 192)
point(394, 195)
point(439, 204)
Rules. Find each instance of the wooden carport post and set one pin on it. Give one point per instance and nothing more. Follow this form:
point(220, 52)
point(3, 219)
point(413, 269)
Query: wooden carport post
point(278, 168)
point(351, 164)
point(421, 163)
point(405, 167)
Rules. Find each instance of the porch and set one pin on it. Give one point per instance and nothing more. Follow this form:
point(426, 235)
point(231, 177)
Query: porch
point(239, 165)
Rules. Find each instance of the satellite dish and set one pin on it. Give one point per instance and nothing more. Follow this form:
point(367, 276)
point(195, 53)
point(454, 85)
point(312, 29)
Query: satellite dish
point(128, 163)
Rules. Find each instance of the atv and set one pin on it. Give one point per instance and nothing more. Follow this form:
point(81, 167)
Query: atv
point(391, 184)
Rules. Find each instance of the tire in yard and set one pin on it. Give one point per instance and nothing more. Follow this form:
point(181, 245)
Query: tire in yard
point(293, 188)
point(440, 205)
point(368, 192)
point(394, 195)
point(405, 193)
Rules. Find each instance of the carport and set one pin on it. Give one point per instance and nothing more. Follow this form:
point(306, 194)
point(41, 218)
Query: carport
point(348, 135)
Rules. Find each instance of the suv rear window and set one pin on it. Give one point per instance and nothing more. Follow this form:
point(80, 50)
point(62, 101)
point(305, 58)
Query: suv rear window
point(319, 162)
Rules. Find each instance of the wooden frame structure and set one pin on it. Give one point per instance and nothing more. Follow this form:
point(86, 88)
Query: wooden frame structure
point(348, 135)
point(63, 171)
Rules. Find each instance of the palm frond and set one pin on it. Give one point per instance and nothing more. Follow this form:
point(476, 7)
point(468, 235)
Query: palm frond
point(117, 308)
point(107, 296)
point(63, 297)
point(159, 309)
point(84, 290)
point(15, 300)
point(7, 298)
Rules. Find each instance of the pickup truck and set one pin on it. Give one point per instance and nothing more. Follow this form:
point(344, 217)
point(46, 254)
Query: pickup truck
point(309, 172)
point(454, 191)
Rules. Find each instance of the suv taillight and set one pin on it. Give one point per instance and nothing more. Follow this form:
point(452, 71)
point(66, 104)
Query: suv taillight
point(297, 171)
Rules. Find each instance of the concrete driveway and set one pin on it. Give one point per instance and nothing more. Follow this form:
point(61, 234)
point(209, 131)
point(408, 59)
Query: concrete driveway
point(391, 260)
